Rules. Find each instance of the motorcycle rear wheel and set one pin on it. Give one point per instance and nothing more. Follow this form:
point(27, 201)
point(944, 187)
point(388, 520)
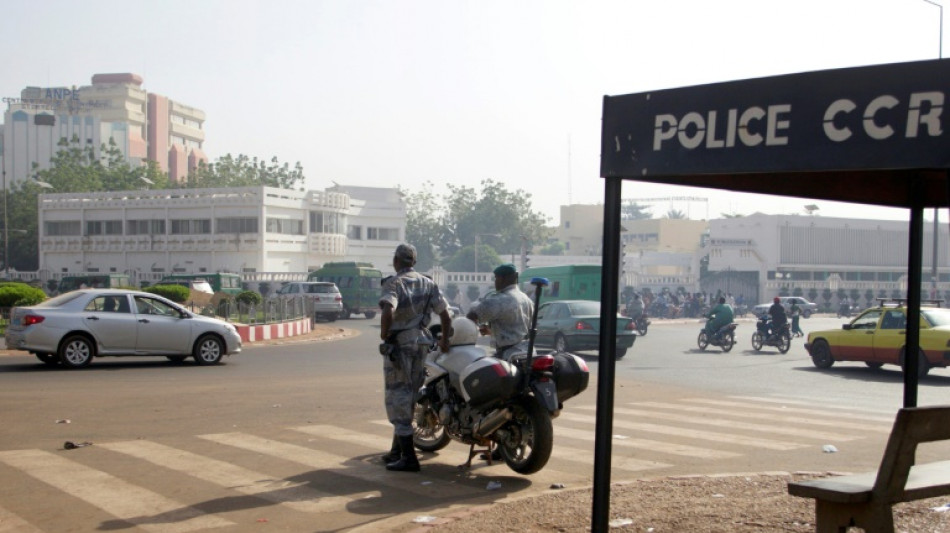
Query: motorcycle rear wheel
point(530, 437)
point(642, 328)
point(428, 434)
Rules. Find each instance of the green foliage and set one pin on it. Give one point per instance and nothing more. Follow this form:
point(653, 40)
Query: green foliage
point(440, 227)
point(176, 293)
point(244, 171)
point(249, 298)
point(676, 214)
point(464, 259)
point(14, 294)
point(630, 210)
point(554, 248)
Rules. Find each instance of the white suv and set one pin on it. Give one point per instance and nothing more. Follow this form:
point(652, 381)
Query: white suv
point(324, 296)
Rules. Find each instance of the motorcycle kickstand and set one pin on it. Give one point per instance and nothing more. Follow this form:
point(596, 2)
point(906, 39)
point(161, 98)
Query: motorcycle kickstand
point(472, 452)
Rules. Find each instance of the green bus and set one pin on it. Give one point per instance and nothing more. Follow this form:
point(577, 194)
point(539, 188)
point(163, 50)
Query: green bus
point(359, 284)
point(567, 282)
point(226, 282)
point(93, 281)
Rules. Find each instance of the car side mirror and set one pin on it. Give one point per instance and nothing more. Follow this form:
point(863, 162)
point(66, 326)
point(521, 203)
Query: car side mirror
point(845, 326)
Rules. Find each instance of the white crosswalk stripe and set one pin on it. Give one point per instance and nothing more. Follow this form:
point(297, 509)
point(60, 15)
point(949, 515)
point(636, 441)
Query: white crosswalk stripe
point(840, 424)
point(126, 501)
point(11, 523)
point(292, 494)
point(671, 448)
point(827, 408)
point(314, 458)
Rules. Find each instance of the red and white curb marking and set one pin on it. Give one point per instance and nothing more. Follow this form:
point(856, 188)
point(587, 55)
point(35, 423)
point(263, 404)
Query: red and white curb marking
point(274, 331)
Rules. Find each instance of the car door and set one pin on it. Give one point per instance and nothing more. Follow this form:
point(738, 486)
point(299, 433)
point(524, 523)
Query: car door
point(890, 337)
point(857, 342)
point(161, 328)
point(545, 334)
point(111, 322)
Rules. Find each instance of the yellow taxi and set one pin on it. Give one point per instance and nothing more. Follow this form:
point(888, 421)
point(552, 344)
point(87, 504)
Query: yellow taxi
point(877, 337)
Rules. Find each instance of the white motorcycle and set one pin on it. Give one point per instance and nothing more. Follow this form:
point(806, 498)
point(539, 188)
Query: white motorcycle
point(480, 400)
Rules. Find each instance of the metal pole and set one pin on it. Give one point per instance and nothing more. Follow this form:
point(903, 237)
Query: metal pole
point(6, 231)
point(915, 262)
point(933, 271)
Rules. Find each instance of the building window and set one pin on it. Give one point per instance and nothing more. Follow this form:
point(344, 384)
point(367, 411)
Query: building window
point(145, 227)
point(354, 232)
point(113, 227)
point(64, 228)
point(321, 222)
point(236, 225)
point(382, 234)
point(285, 226)
point(191, 226)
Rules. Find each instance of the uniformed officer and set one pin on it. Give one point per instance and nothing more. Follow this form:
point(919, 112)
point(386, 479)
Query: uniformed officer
point(507, 312)
point(406, 301)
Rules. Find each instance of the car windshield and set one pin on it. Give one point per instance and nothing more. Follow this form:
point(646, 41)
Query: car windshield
point(585, 308)
point(936, 317)
point(60, 300)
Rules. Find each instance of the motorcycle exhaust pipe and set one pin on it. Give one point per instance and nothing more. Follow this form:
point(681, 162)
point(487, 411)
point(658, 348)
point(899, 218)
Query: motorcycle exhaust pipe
point(490, 422)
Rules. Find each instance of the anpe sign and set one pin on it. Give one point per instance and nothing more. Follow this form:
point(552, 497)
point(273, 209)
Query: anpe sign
point(880, 117)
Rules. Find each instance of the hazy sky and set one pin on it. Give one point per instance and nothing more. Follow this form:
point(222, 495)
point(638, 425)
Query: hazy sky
point(386, 93)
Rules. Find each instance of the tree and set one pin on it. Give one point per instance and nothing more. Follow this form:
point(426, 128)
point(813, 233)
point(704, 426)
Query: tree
point(423, 227)
point(630, 210)
point(244, 171)
point(464, 259)
point(675, 214)
point(555, 248)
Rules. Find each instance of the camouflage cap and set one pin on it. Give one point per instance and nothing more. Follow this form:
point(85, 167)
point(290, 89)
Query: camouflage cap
point(406, 253)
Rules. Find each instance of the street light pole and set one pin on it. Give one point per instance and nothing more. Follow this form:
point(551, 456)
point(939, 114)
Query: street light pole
point(933, 270)
point(6, 231)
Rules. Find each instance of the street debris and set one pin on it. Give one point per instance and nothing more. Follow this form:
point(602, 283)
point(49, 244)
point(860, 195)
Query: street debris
point(70, 445)
point(620, 522)
point(493, 485)
point(64, 421)
point(424, 519)
point(941, 509)
point(829, 448)
point(557, 485)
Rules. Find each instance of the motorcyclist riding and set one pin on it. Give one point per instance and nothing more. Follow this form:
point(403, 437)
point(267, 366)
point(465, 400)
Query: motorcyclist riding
point(635, 307)
point(719, 316)
point(779, 319)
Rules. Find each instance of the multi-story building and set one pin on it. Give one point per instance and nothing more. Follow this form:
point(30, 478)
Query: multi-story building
point(252, 230)
point(115, 107)
point(376, 224)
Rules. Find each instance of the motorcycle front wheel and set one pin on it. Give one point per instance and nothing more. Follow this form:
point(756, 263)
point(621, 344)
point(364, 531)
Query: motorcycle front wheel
point(529, 437)
point(756, 341)
point(642, 328)
point(702, 341)
point(428, 434)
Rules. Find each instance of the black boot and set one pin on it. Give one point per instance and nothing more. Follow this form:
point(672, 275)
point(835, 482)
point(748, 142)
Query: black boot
point(394, 451)
point(407, 461)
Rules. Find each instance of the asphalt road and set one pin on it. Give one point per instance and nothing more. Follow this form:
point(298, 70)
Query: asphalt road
point(287, 437)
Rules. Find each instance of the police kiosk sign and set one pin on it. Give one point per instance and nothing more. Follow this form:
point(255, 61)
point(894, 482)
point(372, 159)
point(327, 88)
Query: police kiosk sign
point(882, 117)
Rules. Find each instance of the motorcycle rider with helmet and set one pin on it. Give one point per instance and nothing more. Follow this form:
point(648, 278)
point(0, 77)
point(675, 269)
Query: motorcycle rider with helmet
point(406, 301)
point(507, 311)
point(779, 318)
point(719, 316)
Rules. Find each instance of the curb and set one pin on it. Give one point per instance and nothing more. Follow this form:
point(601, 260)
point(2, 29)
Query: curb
point(265, 332)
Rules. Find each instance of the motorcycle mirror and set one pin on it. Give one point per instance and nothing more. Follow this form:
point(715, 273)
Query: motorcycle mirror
point(540, 282)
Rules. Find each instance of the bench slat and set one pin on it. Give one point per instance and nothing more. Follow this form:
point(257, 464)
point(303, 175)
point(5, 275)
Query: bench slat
point(855, 488)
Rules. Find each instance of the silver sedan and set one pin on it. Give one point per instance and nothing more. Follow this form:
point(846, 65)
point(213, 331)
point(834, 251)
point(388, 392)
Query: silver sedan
point(74, 327)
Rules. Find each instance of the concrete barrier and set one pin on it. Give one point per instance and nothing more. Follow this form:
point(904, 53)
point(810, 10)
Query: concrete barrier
point(263, 332)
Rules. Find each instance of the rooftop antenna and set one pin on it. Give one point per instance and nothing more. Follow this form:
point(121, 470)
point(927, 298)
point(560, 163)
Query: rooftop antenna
point(569, 181)
point(811, 208)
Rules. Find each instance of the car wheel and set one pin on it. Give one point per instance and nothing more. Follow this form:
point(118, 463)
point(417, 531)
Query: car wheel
point(806, 313)
point(756, 341)
point(620, 353)
point(370, 315)
point(208, 350)
point(345, 313)
point(821, 354)
point(560, 343)
point(47, 358)
point(331, 318)
point(923, 367)
point(874, 364)
point(76, 351)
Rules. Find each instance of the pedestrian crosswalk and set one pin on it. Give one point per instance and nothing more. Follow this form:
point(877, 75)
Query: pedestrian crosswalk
point(335, 469)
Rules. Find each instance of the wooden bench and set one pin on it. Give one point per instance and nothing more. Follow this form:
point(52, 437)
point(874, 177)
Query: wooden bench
point(865, 500)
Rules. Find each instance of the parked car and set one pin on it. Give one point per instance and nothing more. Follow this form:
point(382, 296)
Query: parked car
point(574, 325)
point(808, 308)
point(73, 328)
point(324, 296)
point(877, 338)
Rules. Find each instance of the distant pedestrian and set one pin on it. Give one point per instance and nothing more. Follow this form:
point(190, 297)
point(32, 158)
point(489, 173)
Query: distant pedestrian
point(796, 313)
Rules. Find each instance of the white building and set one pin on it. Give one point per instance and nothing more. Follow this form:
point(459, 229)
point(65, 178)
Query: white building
point(261, 232)
point(376, 225)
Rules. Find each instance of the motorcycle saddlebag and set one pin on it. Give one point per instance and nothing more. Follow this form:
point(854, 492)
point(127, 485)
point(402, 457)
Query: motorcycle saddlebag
point(571, 375)
point(488, 380)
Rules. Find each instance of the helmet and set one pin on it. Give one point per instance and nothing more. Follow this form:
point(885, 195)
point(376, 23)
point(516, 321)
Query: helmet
point(464, 331)
point(776, 300)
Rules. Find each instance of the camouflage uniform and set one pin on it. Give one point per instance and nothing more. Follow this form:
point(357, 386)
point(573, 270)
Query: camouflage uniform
point(508, 314)
point(413, 297)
